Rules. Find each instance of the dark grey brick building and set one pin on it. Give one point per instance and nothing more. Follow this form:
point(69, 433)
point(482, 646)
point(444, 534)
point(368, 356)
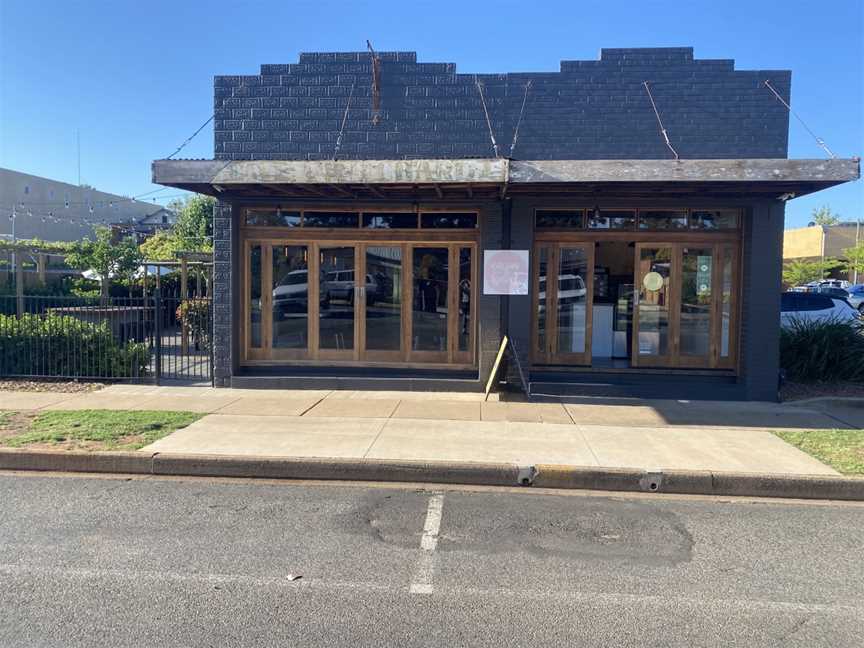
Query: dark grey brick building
point(385, 222)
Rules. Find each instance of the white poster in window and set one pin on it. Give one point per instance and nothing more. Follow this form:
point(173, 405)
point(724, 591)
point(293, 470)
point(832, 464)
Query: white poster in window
point(505, 272)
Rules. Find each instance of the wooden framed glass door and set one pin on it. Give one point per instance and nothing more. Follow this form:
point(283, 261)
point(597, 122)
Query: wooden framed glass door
point(375, 302)
point(685, 312)
point(563, 298)
point(653, 321)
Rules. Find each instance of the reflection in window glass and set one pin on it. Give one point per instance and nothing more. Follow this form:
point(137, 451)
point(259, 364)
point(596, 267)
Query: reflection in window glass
point(290, 296)
point(695, 326)
point(653, 309)
point(572, 300)
point(273, 218)
point(255, 296)
point(464, 299)
point(611, 219)
point(663, 220)
point(337, 294)
point(559, 219)
point(384, 298)
point(429, 328)
point(712, 219)
point(542, 300)
point(726, 304)
point(397, 220)
point(449, 220)
point(330, 219)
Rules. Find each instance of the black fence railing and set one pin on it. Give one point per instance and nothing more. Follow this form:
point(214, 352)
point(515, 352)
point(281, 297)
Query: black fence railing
point(141, 339)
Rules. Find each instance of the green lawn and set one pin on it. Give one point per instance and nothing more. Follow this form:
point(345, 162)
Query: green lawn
point(90, 429)
point(843, 450)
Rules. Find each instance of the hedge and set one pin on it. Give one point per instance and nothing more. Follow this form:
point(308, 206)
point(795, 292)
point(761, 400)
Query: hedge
point(61, 345)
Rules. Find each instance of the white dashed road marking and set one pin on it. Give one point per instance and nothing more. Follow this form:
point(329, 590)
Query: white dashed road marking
point(424, 575)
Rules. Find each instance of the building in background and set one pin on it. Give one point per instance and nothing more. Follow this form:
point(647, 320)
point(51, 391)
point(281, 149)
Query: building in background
point(817, 242)
point(143, 228)
point(57, 211)
point(384, 223)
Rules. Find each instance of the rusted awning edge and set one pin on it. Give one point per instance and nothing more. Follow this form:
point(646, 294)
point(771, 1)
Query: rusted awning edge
point(331, 172)
point(761, 175)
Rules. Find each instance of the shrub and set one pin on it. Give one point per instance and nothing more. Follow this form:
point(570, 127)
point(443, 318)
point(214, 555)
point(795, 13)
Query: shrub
point(62, 345)
point(825, 351)
point(194, 314)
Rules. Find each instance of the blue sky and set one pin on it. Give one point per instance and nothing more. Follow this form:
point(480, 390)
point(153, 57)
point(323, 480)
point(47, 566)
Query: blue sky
point(136, 77)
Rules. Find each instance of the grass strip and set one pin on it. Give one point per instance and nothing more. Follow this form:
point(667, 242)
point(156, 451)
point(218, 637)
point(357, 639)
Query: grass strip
point(99, 429)
point(843, 450)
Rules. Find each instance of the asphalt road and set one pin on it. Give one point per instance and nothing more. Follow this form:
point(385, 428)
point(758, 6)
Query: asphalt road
point(169, 562)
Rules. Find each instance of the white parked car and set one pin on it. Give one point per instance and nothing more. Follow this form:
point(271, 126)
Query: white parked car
point(800, 306)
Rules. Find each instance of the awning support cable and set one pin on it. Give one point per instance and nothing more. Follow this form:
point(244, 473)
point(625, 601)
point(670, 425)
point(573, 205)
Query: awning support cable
point(819, 140)
point(519, 121)
point(344, 121)
point(660, 121)
point(488, 122)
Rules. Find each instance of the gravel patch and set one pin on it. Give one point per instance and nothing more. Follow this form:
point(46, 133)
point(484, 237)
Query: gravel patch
point(64, 386)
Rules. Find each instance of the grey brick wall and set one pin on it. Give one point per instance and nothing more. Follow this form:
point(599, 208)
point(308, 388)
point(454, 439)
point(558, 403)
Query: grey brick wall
point(760, 300)
point(490, 321)
point(589, 110)
point(223, 294)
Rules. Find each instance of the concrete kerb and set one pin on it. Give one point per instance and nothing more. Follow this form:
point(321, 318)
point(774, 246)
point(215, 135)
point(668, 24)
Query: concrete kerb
point(486, 474)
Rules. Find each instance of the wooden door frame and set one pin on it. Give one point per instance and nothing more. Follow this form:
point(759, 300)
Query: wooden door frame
point(654, 360)
point(265, 355)
point(550, 354)
point(674, 358)
point(316, 352)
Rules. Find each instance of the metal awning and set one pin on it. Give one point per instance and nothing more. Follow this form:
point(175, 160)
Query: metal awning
point(492, 178)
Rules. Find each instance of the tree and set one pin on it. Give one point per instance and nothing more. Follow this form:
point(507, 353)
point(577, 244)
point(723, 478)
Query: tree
point(106, 257)
point(854, 260)
point(800, 272)
point(193, 230)
point(824, 216)
point(161, 246)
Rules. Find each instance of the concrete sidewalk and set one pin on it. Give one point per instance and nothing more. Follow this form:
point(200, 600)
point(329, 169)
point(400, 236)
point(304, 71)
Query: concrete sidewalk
point(621, 446)
point(448, 427)
point(445, 406)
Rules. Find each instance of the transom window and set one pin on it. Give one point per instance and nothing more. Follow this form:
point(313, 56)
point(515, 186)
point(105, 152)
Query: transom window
point(641, 219)
point(314, 218)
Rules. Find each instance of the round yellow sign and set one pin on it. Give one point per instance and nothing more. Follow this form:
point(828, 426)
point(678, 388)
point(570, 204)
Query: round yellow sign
point(653, 281)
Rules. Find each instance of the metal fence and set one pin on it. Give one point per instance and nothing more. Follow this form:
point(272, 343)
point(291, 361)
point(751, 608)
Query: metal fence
point(141, 339)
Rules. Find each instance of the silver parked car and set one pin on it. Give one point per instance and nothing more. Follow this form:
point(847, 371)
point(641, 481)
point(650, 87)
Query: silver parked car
point(798, 306)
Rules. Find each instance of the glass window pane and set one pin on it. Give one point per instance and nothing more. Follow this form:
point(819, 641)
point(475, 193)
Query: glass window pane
point(273, 218)
point(712, 219)
point(336, 289)
point(559, 219)
point(663, 220)
point(255, 296)
point(449, 220)
point(726, 304)
point(611, 219)
point(572, 300)
point(390, 220)
point(695, 327)
point(653, 310)
point(464, 299)
point(331, 219)
point(290, 296)
point(384, 299)
point(542, 301)
point(429, 328)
